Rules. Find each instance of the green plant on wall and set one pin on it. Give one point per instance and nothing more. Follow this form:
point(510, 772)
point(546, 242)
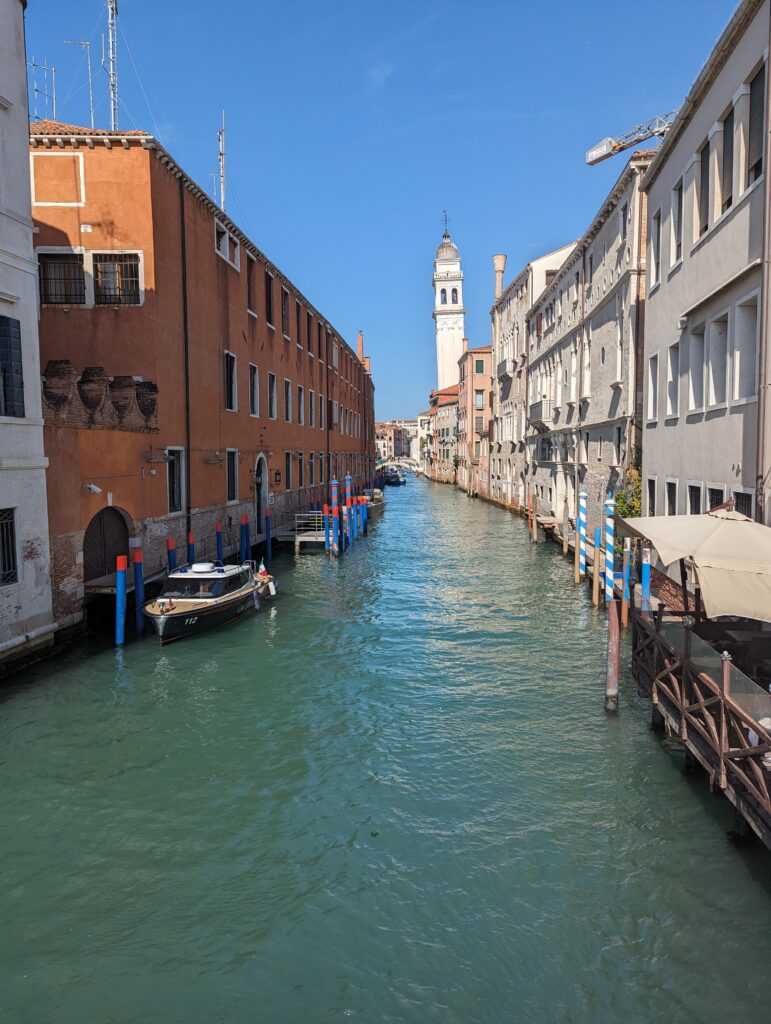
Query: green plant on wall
point(629, 498)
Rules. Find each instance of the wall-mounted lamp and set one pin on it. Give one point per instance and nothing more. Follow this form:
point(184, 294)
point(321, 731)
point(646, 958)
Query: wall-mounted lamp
point(277, 477)
point(213, 460)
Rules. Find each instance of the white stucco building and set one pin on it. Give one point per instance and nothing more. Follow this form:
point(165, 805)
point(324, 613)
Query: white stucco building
point(25, 583)
point(705, 431)
point(508, 456)
point(449, 314)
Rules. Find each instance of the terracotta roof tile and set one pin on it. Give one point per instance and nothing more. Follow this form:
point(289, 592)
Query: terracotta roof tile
point(57, 128)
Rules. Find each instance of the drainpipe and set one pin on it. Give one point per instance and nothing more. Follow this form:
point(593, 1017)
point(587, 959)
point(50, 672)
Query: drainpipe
point(764, 386)
point(186, 352)
point(635, 421)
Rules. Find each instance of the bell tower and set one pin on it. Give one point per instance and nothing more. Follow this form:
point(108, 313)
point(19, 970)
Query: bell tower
point(449, 314)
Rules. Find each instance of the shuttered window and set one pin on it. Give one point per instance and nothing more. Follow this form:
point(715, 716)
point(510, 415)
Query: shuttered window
point(728, 159)
point(11, 376)
point(8, 564)
point(704, 190)
point(755, 146)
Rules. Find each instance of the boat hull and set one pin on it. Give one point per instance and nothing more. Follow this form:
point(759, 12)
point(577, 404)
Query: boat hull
point(173, 625)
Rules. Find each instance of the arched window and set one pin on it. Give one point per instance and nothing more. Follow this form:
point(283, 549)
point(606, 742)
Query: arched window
point(455, 296)
point(443, 296)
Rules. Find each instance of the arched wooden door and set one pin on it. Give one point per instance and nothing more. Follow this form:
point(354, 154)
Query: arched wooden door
point(106, 537)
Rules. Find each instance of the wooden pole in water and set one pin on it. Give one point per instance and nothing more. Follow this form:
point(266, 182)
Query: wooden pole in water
point(625, 584)
point(596, 568)
point(614, 657)
point(535, 519)
point(565, 531)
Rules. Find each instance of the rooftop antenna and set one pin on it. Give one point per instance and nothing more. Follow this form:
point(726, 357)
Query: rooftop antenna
point(84, 44)
point(111, 67)
point(608, 147)
point(47, 96)
point(221, 144)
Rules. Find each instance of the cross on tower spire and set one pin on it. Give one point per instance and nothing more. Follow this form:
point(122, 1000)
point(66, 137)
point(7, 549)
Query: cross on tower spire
point(446, 223)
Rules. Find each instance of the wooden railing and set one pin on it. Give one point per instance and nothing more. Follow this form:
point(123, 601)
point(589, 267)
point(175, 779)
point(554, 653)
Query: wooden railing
point(711, 706)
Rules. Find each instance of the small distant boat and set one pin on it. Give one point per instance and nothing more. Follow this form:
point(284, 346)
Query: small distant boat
point(395, 477)
point(207, 594)
point(375, 501)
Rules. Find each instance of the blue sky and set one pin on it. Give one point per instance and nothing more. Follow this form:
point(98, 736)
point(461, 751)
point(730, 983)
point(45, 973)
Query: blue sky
point(351, 126)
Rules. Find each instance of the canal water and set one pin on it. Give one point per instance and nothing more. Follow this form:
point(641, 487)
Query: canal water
point(393, 796)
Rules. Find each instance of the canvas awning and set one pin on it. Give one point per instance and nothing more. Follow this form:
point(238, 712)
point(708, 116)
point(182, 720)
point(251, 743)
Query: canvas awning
point(730, 553)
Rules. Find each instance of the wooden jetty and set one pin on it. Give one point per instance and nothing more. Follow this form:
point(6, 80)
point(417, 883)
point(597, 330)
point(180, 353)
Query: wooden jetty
point(305, 530)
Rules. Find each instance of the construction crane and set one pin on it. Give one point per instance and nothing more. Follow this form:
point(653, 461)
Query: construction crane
point(606, 148)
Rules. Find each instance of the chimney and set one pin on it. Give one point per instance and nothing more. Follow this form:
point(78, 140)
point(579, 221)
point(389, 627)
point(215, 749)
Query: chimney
point(499, 265)
point(360, 345)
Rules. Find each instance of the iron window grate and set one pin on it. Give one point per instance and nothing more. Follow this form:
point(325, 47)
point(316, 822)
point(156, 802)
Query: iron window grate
point(116, 279)
point(62, 278)
point(8, 566)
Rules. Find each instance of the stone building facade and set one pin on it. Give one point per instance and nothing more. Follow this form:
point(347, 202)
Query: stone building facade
point(26, 620)
point(474, 392)
point(585, 337)
point(443, 435)
point(188, 381)
point(508, 453)
point(707, 402)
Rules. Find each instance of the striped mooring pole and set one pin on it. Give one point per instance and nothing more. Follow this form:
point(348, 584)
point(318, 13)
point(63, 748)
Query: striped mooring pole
point(242, 539)
point(218, 535)
point(326, 529)
point(333, 485)
point(610, 544)
point(582, 532)
point(645, 581)
point(347, 488)
point(171, 553)
point(190, 547)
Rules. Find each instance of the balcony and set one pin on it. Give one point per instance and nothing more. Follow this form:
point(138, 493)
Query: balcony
point(505, 369)
point(541, 413)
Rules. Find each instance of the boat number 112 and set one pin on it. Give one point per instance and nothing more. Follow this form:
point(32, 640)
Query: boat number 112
point(191, 621)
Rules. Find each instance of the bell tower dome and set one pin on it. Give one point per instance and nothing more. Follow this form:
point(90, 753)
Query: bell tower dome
point(449, 314)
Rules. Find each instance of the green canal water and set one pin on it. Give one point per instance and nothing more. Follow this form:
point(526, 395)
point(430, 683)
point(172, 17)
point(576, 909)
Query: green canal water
point(393, 796)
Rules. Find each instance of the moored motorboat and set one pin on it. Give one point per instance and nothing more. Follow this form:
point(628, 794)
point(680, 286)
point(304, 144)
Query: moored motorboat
point(375, 501)
point(207, 594)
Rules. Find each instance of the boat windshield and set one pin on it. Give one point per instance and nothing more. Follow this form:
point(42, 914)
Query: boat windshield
point(189, 586)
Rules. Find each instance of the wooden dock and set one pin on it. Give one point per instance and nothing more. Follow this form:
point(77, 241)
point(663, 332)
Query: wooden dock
point(305, 531)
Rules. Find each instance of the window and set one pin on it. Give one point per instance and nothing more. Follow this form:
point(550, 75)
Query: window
point(617, 453)
point(8, 564)
point(300, 469)
point(250, 297)
point(232, 474)
point(299, 323)
point(443, 297)
point(715, 495)
point(311, 468)
point(696, 370)
point(269, 298)
point(591, 269)
point(656, 248)
point(600, 445)
point(756, 137)
point(335, 355)
point(272, 411)
point(478, 424)
point(300, 405)
point(727, 166)
point(285, 312)
point(673, 380)
point(230, 382)
point(174, 467)
point(717, 360)
point(651, 495)
point(745, 349)
point(11, 375)
point(287, 400)
point(321, 412)
point(671, 497)
point(743, 502)
point(476, 449)
point(226, 245)
point(455, 296)
point(311, 408)
point(254, 390)
point(116, 279)
point(703, 188)
point(479, 366)
point(694, 499)
point(624, 219)
point(288, 471)
point(320, 341)
point(321, 467)
point(677, 221)
point(479, 399)
point(62, 278)
point(653, 387)
point(309, 332)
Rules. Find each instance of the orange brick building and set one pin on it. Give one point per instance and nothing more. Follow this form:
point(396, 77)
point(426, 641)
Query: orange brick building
point(186, 380)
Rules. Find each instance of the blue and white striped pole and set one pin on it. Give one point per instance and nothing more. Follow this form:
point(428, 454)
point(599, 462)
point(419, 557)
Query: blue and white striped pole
point(645, 581)
point(610, 544)
point(582, 532)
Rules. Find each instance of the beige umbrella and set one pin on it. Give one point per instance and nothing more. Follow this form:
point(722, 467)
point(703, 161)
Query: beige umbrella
point(731, 555)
